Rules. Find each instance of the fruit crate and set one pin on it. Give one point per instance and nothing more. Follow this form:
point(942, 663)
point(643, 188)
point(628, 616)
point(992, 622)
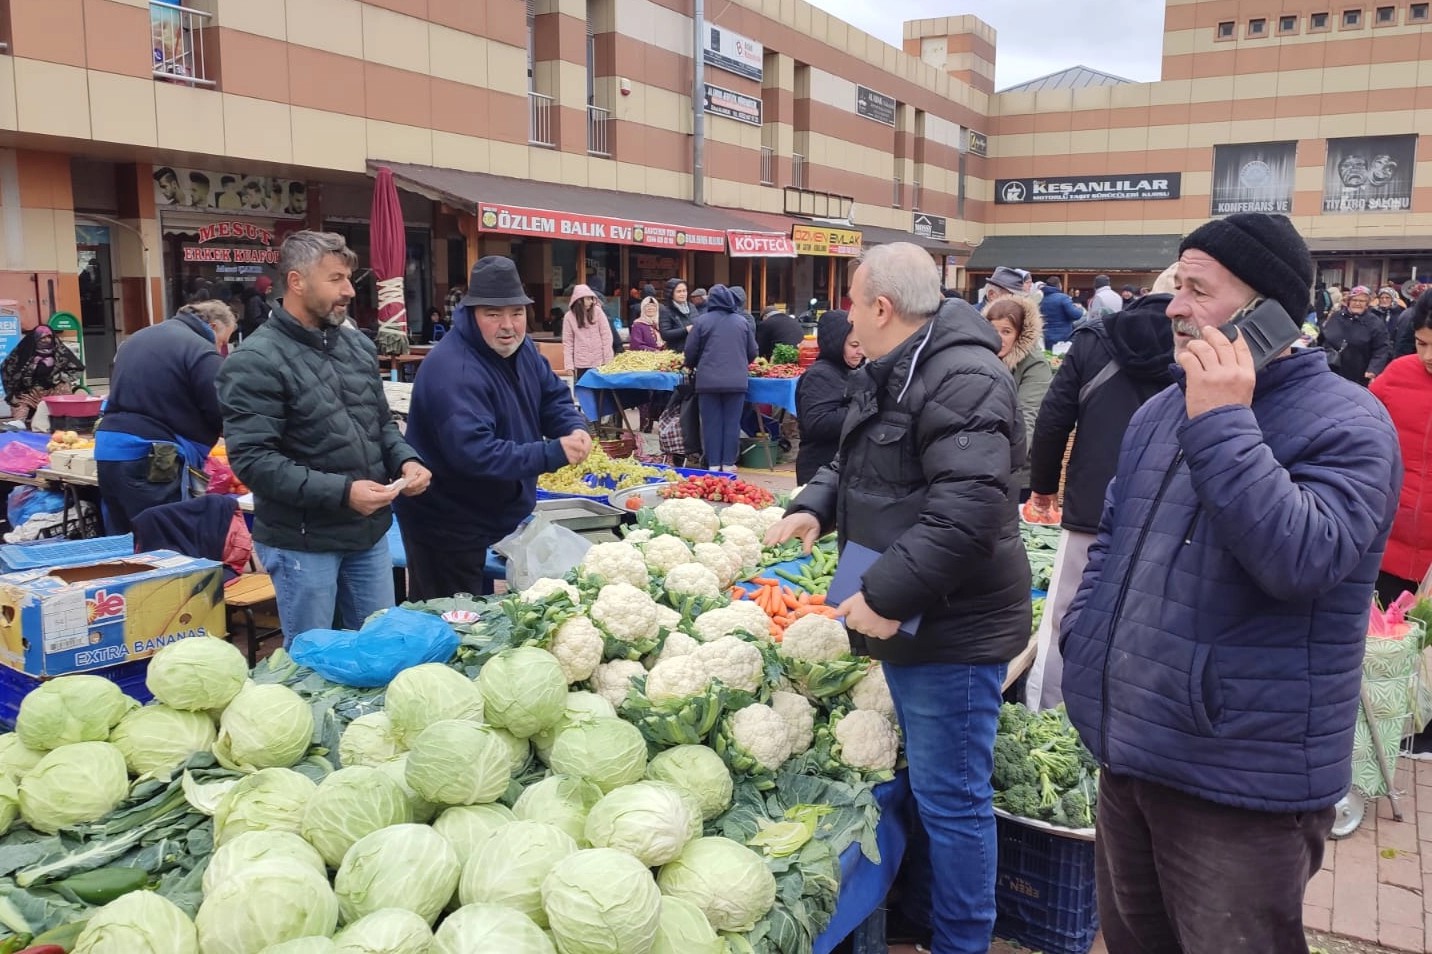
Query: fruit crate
point(602, 488)
point(1044, 889)
point(46, 553)
point(15, 685)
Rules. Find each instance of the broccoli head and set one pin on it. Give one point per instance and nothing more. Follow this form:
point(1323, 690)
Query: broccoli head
point(1022, 800)
point(1074, 810)
point(1012, 765)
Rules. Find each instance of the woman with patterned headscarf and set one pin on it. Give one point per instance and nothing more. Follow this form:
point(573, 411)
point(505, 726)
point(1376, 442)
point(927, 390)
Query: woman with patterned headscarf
point(39, 366)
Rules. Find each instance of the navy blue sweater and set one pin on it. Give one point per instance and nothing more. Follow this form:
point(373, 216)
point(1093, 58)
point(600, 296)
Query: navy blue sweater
point(721, 345)
point(163, 383)
point(486, 426)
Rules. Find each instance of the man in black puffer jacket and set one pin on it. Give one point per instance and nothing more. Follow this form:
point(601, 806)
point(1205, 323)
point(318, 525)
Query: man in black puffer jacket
point(1113, 366)
point(923, 477)
point(309, 430)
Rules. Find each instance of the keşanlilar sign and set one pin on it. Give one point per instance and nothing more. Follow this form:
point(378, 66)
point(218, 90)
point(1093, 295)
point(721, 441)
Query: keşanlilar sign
point(1253, 177)
point(733, 105)
point(734, 53)
point(516, 220)
point(1369, 174)
point(1144, 185)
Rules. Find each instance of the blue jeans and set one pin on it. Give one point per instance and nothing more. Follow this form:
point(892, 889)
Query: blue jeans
point(721, 426)
point(948, 714)
point(310, 585)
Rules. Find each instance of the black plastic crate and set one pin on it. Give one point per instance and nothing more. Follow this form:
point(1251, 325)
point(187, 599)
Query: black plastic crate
point(15, 685)
point(1044, 891)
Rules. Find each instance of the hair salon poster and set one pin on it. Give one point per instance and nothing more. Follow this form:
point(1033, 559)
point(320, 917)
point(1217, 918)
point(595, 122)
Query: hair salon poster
point(1369, 174)
point(176, 188)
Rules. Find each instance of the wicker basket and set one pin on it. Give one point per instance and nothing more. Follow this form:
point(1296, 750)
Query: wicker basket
point(622, 447)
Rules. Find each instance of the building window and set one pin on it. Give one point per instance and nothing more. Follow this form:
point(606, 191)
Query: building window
point(1225, 30)
point(1351, 19)
point(1287, 25)
point(1318, 21)
point(1386, 16)
point(1417, 12)
point(1258, 27)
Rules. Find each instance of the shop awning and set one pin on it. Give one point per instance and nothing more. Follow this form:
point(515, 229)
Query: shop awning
point(1412, 244)
point(1076, 253)
point(874, 235)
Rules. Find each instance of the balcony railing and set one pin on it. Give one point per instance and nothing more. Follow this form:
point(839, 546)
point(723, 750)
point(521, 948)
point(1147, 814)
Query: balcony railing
point(598, 131)
point(916, 196)
point(541, 109)
point(768, 166)
point(798, 171)
point(897, 194)
point(179, 44)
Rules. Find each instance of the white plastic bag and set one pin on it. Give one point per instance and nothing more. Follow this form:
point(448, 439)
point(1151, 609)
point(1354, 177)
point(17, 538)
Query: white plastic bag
point(539, 549)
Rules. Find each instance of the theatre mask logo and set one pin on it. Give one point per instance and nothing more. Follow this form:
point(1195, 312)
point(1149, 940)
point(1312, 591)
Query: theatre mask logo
point(1369, 174)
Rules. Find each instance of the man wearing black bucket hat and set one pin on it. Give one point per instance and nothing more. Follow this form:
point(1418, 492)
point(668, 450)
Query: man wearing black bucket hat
point(1212, 656)
point(488, 415)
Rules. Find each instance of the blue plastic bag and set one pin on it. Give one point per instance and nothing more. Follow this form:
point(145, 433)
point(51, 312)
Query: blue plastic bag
point(25, 502)
point(372, 656)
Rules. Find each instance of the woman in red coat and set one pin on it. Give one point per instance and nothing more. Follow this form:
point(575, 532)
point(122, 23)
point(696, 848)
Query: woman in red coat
point(1406, 390)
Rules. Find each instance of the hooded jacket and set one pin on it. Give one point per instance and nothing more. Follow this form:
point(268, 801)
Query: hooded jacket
point(820, 397)
point(1032, 375)
point(721, 345)
point(1405, 389)
point(487, 426)
point(674, 323)
point(589, 346)
point(923, 477)
point(1059, 313)
point(1216, 644)
point(1140, 341)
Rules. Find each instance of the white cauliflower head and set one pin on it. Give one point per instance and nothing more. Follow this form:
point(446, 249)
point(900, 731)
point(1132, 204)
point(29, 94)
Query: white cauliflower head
point(664, 552)
point(692, 579)
point(738, 664)
point(764, 735)
point(770, 516)
point(616, 562)
point(667, 618)
point(815, 638)
point(677, 644)
point(679, 677)
point(628, 613)
point(742, 616)
point(547, 587)
point(741, 515)
point(639, 536)
point(577, 644)
point(612, 680)
point(867, 741)
point(800, 718)
point(726, 566)
point(873, 693)
point(742, 541)
point(694, 520)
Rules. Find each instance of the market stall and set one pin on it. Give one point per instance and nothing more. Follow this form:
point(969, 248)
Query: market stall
point(777, 392)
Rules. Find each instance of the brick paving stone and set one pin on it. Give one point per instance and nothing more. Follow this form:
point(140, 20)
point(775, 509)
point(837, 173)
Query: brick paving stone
point(1320, 890)
point(1399, 905)
point(1401, 836)
point(1404, 871)
point(1401, 937)
point(1355, 889)
point(1317, 918)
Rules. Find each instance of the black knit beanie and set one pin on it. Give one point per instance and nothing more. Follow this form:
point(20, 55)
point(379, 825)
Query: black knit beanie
point(1265, 251)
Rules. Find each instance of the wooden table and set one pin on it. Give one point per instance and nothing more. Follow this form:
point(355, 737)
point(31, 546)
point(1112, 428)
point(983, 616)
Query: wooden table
point(400, 363)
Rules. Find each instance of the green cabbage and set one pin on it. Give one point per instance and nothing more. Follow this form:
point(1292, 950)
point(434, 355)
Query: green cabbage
point(699, 771)
point(509, 867)
point(487, 929)
point(303, 945)
point(518, 751)
point(729, 882)
point(650, 820)
point(685, 930)
point(75, 783)
point(419, 696)
point(607, 752)
point(459, 763)
point(70, 709)
point(466, 827)
point(386, 931)
point(560, 800)
point(17, 758)
point(9, 803)
point(404, 866)
point(273, 799)
point(158, 739)
point(523, 690)
point(602, 901)
point(197, 674)
point(266, 903)
point(268, 726)
point(369, 740)
point(580, 707)
point(140, 922)
point(253, 847)
point(397, 769)
point(349, 804)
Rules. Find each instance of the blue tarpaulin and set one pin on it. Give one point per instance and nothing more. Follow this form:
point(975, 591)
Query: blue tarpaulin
point(863, 883)
point(780, 392)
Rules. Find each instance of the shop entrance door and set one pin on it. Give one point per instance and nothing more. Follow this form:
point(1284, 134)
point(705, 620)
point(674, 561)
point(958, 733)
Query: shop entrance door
point(97, 302)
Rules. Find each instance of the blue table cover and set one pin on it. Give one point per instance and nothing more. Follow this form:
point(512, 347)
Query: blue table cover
point(780, 392)
point(496, 567)
point(863, 883)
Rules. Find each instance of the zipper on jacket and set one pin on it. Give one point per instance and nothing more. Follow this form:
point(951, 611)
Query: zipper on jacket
point(1192, 526)
point(1119, 604)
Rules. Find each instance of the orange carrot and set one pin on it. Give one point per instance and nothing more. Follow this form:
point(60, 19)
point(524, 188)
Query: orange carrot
point(817, 598)
point(765, 581)
point(788, 599)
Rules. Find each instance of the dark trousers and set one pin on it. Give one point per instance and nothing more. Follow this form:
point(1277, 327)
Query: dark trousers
point(434, 573)
point(721, 426)
point(1390, 587)
point(1181, 875)
point(126, 492)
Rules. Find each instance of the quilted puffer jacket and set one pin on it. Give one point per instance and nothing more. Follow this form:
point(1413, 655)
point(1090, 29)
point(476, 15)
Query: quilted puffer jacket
point(1405, 389)
point(1216, 643)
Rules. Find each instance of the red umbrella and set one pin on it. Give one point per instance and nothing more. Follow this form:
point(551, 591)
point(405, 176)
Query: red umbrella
point(388, 253)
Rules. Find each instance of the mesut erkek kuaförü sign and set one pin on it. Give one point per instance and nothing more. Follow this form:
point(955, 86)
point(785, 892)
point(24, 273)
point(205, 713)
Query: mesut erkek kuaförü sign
point(1139, 185)
point(1369, 174)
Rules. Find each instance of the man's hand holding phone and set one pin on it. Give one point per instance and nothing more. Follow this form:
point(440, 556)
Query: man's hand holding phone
point(1219, 372)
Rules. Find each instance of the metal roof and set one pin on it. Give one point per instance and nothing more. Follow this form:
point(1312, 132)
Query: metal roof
point(1077, 253)
point(1075, 77)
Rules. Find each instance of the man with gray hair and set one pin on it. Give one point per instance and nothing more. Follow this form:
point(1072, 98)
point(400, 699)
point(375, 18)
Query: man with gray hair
point(922, 479)
point(309, 430)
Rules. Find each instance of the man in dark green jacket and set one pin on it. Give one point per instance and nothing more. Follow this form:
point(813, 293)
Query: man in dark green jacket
point(309, 430)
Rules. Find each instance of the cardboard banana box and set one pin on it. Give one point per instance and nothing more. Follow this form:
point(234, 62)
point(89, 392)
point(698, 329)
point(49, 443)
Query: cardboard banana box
point(88, 616)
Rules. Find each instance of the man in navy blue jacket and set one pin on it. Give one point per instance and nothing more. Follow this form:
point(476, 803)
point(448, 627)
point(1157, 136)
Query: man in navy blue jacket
point(1059, 313)
point(488, 415)
point(1212, 657)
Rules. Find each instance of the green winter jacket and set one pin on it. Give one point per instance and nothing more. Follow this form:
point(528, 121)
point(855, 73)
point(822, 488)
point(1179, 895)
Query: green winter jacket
point(304, 417)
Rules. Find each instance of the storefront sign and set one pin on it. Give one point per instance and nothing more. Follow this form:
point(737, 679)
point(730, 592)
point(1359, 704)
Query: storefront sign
point(761, 245)
point(734, 53)
point(929, 226)
point(1145, 185)
point(976, 143)
point(1253, 177)
point(1369, 174)
point(515, 220)
point(876, 106)
point(733, 105)
point(176, 188)
point(243, 231)
point(821, 240)
point(230, 255)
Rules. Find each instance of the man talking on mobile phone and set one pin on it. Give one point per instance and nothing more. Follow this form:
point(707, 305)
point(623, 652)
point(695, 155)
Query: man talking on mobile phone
point(1213, 654)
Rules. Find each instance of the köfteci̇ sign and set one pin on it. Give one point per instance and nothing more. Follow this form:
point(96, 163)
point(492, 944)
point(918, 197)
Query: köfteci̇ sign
point(545, 223)
point(761, 245)
point(1143, 185)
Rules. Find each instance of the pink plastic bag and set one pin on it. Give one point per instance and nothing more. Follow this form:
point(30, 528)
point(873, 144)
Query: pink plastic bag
point(20, 458)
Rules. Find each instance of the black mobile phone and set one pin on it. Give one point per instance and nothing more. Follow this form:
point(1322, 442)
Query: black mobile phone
point(1267, 328)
